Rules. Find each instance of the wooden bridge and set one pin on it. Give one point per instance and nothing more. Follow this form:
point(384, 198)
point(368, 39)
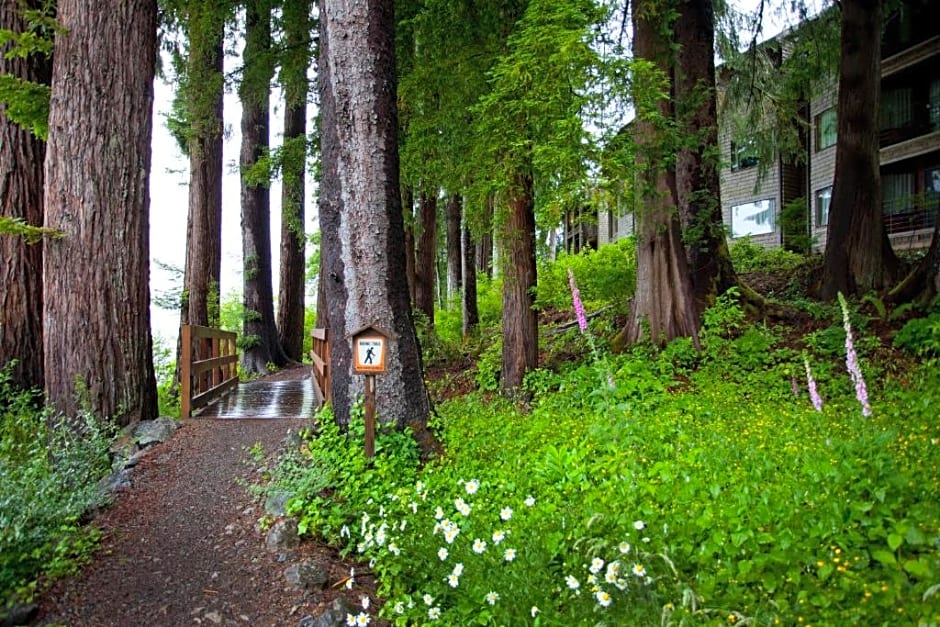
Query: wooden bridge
point(209, 385)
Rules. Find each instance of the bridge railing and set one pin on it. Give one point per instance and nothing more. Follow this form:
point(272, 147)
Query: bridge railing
point(320, 355)
point(208, 368)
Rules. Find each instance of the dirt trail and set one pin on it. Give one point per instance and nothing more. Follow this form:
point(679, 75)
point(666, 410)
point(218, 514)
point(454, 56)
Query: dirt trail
point(180, 547)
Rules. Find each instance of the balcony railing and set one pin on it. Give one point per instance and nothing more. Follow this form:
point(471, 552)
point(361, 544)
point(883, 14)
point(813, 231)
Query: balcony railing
point(913, 220)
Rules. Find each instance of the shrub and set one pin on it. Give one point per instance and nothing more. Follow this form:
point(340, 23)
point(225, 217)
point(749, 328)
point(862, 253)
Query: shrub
point(750, 257)
point(606, 276)
point(49, 470)
point(920, 336)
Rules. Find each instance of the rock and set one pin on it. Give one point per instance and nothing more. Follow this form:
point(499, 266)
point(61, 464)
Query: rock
point(307, 576)
point(214, 617)
point(276, 504)
point(149, 432)
point(18, 615)
point(283, 535)
point(335, 616)
point(109, 484)
point(134, 459)
point(122, 450)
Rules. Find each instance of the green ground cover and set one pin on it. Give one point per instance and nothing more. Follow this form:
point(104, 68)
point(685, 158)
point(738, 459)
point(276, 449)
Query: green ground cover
point(665, 486)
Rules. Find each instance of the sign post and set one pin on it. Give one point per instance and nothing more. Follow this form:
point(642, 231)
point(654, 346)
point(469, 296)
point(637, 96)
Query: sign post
point(370, 349)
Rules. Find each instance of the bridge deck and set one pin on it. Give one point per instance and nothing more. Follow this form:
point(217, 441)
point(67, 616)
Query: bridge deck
point(266, 399)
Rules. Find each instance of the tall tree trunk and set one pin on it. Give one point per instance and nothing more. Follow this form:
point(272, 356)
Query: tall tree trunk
point(290, 317)
point(204, 87)
point(426, 254)
point(517, 265)
point(663, 305)
point(260, 342)
point(484, 244)
point(96, 298)
point(697, 162)
point(468, 299)
point(858, 254)
point(410, 254)
point(360, 210)
point(454, 258)
point(21, 182)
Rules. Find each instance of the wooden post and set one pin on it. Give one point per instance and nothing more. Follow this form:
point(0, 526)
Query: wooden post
point(370, 416)
point(186, 390)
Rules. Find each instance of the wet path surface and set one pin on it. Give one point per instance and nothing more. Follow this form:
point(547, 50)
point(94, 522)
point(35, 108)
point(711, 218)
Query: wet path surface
point(266, 399)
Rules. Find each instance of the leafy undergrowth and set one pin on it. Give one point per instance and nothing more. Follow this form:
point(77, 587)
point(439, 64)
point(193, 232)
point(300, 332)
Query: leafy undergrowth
point(658, 487)
point(49, 472)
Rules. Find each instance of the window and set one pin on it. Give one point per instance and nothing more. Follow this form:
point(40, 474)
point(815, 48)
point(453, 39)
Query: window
point(743, 155)
point(934, 105)
point(896, 110)
point(823, 200)
point(897, 193)
point(826, 125)
point(752, 218)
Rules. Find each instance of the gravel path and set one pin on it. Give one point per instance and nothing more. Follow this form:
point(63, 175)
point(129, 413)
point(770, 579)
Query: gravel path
point(181, 547)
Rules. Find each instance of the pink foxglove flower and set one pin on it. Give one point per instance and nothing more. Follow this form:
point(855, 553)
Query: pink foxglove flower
point(851, 360)
point(811, 385)
point(578, 306)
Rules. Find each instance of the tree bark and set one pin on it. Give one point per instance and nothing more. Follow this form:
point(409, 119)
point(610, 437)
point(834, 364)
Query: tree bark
point(410, 254)
point(260, 345)
point(21, 194)
point(96, 299)
point(290, 318)
point(484, 244)
point(360, 210)
point(858, 255)
point(663, 305)
point(204, 87)
point(517, 265)
point(205, 83)
point(697, 162)
point(468, 297)
point(454, 257)
point(426, 254)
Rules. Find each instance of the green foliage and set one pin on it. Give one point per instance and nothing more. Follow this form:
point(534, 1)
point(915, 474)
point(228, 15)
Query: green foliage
point(164, 366)
point(231, 312)
point(490, 363)
point(606, 277)
point(332, 481)
point(750, 257)
point(27, 103)
point(920, 336)
point(32, 234)
point(49, 471)
point(794, 222)
point(718, 498)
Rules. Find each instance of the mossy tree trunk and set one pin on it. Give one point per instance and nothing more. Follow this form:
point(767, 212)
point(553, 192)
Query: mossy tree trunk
point(663, 307)
point(295, 61)
point(260, 345)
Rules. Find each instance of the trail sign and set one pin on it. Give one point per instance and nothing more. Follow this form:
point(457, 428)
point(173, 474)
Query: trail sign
point(370, 348)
